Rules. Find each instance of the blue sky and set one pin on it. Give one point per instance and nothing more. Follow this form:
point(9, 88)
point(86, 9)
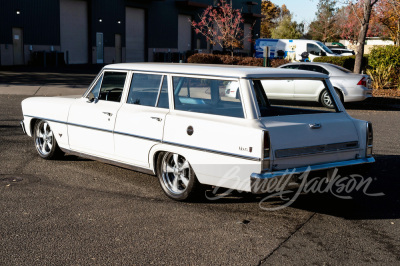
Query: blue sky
point(302, 10)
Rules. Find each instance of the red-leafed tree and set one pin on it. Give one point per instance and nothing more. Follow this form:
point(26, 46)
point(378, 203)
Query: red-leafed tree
point(222, 25)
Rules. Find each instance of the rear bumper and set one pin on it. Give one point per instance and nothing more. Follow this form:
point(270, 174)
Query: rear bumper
point(256, 180)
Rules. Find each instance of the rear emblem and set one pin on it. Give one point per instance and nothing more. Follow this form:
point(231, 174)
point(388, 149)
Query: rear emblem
point(60, 135)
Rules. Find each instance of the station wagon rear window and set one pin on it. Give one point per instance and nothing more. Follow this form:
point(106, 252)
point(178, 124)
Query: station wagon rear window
point(208, 96)
point(279, 97)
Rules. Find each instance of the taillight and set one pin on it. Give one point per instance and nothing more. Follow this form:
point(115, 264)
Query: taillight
point(363, 82)
point(370, 139)
point(266, 151)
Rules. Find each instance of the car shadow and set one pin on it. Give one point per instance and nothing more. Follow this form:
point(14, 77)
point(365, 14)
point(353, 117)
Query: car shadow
point(375, 103)
point(379, 199)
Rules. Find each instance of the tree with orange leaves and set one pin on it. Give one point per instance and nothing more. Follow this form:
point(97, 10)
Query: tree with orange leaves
point(388, 13)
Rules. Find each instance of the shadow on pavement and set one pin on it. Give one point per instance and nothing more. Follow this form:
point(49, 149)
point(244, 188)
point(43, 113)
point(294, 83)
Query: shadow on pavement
point(384, 179)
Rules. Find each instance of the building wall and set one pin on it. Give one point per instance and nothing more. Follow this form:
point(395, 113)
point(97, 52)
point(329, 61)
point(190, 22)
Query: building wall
point(43, 25)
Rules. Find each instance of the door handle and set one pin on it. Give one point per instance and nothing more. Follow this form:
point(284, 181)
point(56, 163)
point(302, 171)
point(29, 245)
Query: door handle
point(107, 113)
point(315, 126)
point(156, 118)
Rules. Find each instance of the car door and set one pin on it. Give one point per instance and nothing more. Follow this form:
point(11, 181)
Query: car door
point(91, 119)
point(278, 89)
point(140, 121)
point(309, 89)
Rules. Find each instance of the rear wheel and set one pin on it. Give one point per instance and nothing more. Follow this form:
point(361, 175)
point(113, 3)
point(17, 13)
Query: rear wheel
point(325, 99)
point(45, 141)
point(177, 177)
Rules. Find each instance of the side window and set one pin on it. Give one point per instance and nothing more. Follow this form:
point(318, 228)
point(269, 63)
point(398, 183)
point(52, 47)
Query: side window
point(209, 96)
point(145, 90)
point(313, 49)
point(96, 89)
point(314, 68)
point(292, 66)
point(112, 86)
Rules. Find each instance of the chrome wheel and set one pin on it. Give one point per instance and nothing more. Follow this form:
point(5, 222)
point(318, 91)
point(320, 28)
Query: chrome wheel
point(326, 99)
point(176, 172)
point(44, 138)
point(45, 141)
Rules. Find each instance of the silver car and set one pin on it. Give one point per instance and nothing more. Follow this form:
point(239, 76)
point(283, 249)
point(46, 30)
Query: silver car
point(349, 86)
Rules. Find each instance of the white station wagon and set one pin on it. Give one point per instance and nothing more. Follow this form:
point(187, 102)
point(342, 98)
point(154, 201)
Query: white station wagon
point(175, 121)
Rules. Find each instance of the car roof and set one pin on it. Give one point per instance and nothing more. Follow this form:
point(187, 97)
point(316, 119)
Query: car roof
point(228, 71)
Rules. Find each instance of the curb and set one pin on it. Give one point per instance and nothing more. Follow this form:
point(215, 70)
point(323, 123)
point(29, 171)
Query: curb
point(42, 90)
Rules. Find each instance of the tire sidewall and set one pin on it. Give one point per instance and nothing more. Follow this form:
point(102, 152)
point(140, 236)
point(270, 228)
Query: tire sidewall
point(181, 196)
point(53, 152)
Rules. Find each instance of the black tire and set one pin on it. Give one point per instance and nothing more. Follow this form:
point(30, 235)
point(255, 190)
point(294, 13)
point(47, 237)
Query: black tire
point(45, 141)
point(340, 95)
point(180, 183)
point(325, 99)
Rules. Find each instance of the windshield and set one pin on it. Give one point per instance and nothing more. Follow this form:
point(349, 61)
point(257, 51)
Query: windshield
point(326, 49)
point(293, 96)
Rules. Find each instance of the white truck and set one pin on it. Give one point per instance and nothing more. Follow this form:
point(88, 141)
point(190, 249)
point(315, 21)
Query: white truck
point(293, 50)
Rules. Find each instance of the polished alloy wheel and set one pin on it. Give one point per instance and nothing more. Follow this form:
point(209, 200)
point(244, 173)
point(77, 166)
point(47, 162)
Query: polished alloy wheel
point(326, 99)
point(176, 173)
point(44, 138)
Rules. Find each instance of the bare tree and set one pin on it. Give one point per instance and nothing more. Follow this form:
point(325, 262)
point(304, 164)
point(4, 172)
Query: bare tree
point(364, 21)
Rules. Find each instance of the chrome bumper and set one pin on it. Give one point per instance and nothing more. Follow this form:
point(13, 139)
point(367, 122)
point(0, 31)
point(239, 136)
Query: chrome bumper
point(22, 126)
point(257, 179)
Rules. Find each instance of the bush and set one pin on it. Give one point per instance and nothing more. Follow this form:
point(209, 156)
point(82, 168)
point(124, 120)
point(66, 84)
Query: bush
point(385, 55)
point(235, 60)
point(384, 63)
point(343, 61)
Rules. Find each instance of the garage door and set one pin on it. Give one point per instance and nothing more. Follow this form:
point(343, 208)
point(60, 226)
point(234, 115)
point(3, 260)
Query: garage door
point(74, 30)
point(184, 33)
point(135, 35)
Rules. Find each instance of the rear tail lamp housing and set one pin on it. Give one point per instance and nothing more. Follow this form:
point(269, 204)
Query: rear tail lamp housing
point(363, 82)
point(266, 152)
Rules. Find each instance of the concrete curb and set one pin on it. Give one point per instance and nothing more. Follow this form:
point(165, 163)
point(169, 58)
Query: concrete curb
point(42, 90)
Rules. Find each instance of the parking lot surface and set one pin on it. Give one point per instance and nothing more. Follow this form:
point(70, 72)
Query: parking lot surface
point(78, 211)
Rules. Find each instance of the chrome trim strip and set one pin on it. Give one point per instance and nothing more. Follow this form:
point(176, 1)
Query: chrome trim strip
point(214, 151)
point(158, 140)
point(136, 136)
point(123, 165)
point(316, 167)
point(317, 149)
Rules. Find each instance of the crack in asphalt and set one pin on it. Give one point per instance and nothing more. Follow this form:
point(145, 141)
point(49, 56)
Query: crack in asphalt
point(286, 240)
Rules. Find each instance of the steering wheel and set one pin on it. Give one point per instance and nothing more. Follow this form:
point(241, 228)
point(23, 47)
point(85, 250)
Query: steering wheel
point(114, 89)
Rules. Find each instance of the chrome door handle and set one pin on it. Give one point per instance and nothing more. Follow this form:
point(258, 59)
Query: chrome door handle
point(156, 118)
point(315, 126)
point(107, 113)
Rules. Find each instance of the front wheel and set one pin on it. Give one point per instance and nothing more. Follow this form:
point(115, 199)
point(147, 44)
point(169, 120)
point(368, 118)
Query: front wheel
point(177, 177)
point(45, 141)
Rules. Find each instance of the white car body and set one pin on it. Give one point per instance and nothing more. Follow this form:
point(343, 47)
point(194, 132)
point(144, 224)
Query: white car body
point(352, 87)
point(232, 147)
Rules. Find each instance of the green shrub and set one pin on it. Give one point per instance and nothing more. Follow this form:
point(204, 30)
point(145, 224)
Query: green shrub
point(385, 55)
point(232, 60)
point(384, 63)
point(343, 61)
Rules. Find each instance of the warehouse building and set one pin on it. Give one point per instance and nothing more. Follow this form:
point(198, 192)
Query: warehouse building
point(106, 31)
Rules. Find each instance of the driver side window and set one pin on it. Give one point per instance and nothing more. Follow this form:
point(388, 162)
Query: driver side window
point(110, 86)
point(313, 49)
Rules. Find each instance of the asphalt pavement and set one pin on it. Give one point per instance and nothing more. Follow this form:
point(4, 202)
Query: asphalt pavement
point(75, 211)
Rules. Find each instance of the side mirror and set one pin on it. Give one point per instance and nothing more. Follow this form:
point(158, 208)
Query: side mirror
point(322, 53)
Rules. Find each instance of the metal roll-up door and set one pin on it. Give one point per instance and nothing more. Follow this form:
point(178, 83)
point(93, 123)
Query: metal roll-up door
point(74, 30)
point(135, 35)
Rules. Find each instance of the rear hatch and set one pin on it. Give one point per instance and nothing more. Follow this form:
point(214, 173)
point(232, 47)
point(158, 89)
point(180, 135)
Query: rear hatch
point(308, 139)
